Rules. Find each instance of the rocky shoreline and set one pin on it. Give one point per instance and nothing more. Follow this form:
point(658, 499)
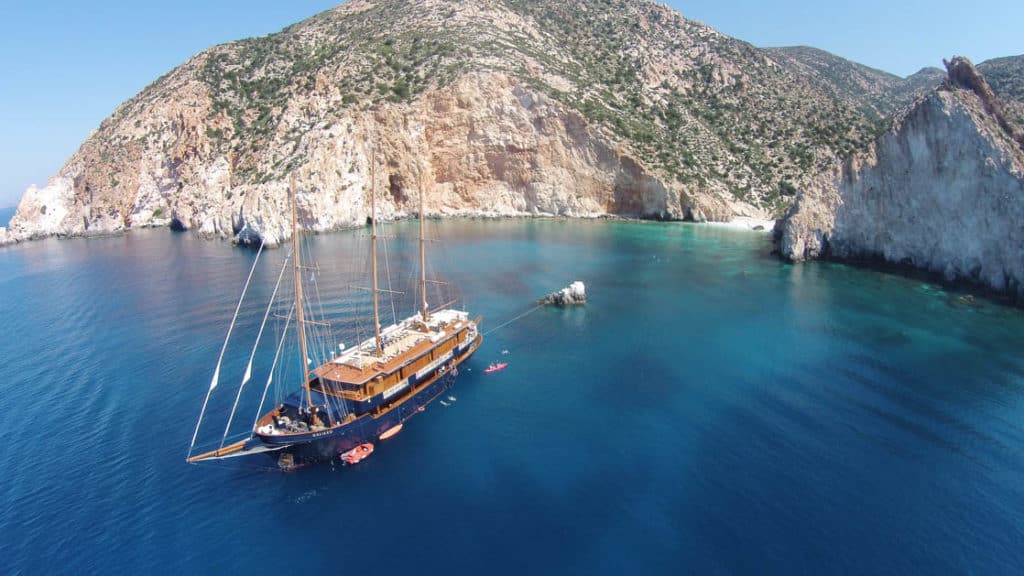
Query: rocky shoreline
point(748, 224)
point(942, 191)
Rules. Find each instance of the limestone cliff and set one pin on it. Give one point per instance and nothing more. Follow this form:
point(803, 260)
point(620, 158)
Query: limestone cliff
point(943, 190)
point(486, 145)
point(578, 108)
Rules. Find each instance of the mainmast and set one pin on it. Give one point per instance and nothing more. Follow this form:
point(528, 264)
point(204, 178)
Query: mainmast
point(423, 262)
point(300, 316)
point(373, 254)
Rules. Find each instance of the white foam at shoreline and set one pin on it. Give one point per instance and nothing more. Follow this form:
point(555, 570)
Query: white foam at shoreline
point(746, 223)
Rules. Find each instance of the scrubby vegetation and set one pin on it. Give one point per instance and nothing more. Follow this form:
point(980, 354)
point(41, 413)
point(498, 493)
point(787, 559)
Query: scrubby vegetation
point(702, 109)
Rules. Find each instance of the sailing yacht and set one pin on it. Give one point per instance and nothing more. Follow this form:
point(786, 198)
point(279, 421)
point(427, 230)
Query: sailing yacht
point(366, 392)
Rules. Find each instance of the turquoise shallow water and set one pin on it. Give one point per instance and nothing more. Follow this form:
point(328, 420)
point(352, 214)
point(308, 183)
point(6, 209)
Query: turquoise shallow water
point(711, 410)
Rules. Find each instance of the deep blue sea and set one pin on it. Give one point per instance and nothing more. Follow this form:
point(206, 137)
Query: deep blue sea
point(5, 215)
point(710, 411)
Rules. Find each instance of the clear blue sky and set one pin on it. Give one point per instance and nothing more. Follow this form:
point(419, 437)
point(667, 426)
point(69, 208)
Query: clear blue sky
point(65, 65)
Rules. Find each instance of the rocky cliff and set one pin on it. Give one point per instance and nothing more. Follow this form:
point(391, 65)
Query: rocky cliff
point(508, 107)
point(943, 190)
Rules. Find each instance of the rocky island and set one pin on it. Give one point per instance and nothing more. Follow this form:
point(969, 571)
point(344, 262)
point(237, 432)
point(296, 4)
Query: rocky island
point(489, 107)
point(572, 295)
point(571, 109)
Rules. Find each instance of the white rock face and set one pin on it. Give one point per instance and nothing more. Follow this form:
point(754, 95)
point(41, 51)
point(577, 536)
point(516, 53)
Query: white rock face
point(576, 291)
point(484, 146)
point(46, 211)
point(942, 191)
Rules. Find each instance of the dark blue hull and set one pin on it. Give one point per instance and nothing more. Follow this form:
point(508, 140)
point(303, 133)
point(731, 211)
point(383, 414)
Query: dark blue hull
point(326, 445)
point(365, 429)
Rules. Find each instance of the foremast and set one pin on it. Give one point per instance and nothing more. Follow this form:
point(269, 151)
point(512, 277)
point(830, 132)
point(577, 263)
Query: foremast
point(300, 314)
point(423, 264)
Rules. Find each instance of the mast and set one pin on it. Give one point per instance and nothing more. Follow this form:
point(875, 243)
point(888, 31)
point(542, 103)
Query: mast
point(373, 254)
point(300, 316)
point(423, 262)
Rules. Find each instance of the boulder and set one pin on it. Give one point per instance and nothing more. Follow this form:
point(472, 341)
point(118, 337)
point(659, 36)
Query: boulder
point(571, 295)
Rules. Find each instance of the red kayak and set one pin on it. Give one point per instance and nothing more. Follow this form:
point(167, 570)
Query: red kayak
point(495, 367)
point(357, 454)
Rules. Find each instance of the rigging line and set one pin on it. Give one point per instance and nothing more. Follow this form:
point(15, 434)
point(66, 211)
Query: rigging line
point(309, 304)
point(270, 375)
point(521, 316)
point(321, 334)
point(362, 309)
point(224, 347)
point(280, 333)
point(252, 355)
point(387, 272)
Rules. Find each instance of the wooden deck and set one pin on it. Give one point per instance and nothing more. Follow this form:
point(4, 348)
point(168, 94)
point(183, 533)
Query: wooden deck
point(399, 367)
point(396, 354)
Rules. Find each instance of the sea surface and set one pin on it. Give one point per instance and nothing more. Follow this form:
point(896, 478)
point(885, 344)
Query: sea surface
point(710, 411)
point(6, 214)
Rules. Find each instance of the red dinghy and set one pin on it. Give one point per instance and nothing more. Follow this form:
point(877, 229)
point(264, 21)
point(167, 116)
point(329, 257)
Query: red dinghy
point(496, 367)
point(357, 454)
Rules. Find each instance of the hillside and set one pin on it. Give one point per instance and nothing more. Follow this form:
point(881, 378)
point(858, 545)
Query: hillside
point(876, 93)
point(703, 108)
point(620, 107)
point(1006, 77)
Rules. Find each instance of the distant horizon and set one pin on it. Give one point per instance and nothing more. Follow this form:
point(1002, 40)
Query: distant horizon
point(83, 60)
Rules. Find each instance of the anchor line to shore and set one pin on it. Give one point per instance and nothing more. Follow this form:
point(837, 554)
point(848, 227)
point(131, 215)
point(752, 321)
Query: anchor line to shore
point(520, 317)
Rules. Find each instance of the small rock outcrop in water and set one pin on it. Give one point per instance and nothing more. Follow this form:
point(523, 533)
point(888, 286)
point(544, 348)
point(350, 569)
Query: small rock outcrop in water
point(943, 191)
point(571, 295)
